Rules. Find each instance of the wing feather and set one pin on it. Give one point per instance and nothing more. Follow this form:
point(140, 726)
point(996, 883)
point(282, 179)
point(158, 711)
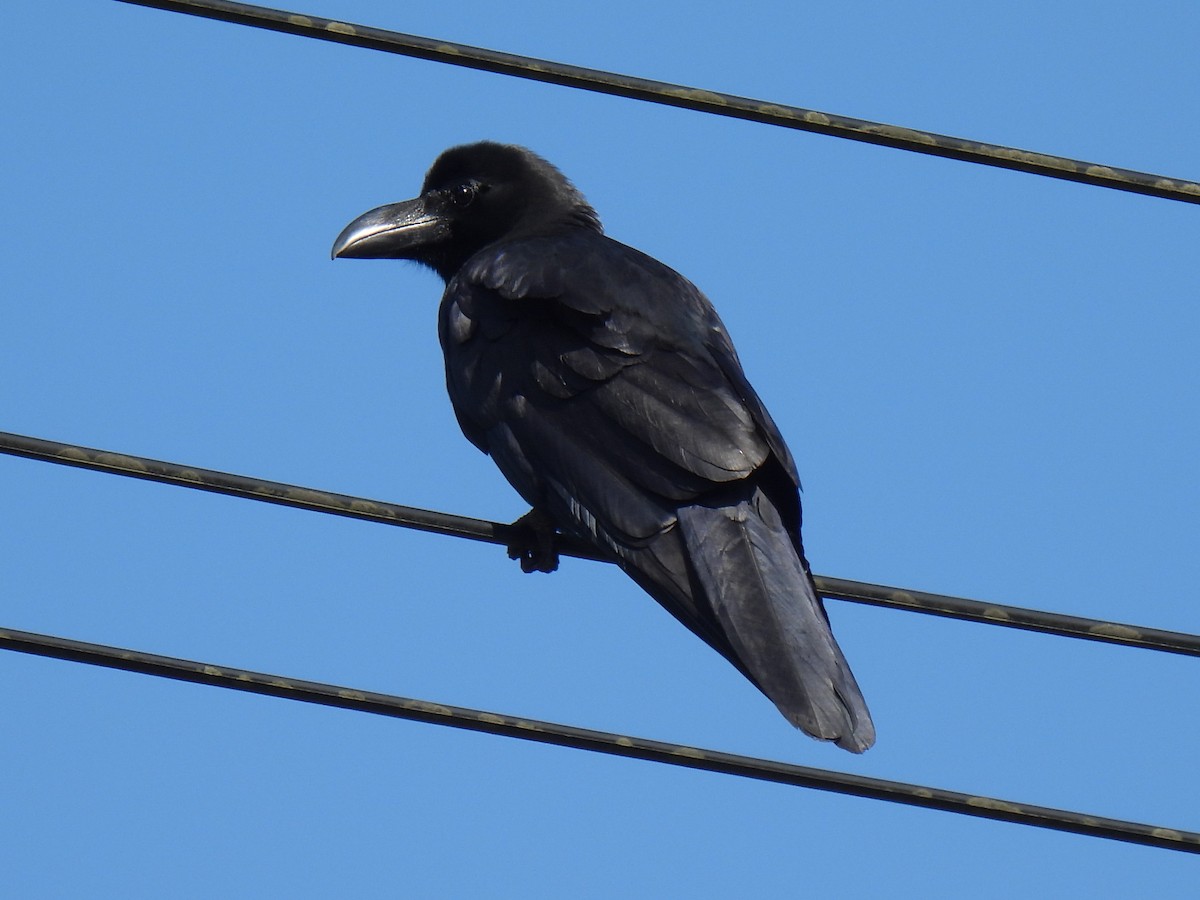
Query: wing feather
point(614, 351)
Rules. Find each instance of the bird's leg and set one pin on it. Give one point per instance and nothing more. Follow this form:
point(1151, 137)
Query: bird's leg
point(533, 542)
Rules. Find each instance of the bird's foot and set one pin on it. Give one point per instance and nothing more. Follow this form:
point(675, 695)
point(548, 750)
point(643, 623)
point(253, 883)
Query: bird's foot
point(533, 542)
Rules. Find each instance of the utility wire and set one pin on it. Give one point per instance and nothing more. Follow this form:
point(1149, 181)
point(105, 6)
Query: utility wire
point(685, 97)
point(496, 533)
point(597, 741)
point(570, 736)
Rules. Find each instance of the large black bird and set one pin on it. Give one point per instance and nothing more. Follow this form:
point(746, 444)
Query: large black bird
point(606, 389)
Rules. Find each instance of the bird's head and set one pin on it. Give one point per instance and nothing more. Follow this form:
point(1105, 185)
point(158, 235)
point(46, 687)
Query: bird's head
point(473, 196)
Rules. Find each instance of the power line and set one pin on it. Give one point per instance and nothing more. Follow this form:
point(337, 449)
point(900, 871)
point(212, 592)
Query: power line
point(579, 738)
point(597, 741)
point(685, 97)
point(1010, 616)
point(495, 533)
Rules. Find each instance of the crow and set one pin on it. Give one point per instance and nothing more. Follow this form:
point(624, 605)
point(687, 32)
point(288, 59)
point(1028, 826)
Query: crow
point(607, 391)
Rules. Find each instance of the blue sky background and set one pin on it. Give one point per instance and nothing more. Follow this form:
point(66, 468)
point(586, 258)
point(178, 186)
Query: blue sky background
point(988, 379)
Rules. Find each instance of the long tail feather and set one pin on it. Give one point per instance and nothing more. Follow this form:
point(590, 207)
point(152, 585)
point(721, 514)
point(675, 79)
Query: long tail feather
point(767, 606)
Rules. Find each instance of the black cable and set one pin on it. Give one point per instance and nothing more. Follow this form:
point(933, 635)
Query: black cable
point(496, 533)
point(597, 741)
point(685, 97)
point(579, 738)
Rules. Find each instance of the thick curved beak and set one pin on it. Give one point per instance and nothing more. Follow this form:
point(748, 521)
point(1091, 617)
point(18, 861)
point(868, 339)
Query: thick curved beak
point(395, 231)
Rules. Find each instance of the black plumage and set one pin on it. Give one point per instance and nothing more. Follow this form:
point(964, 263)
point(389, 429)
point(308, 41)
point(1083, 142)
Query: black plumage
point(607, 391)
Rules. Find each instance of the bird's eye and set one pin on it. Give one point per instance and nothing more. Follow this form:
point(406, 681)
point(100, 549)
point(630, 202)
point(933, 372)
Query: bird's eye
point(462, 194)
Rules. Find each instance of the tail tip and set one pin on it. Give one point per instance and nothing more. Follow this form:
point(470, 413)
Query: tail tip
point(855, 735)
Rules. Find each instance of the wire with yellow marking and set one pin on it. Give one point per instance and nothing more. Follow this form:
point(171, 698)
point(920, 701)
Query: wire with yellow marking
point(598, 741)
point(276, 492)
point(685, 97)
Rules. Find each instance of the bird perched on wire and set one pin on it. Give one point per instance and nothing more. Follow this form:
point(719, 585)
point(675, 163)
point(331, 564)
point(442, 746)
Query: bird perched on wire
point(606, 389)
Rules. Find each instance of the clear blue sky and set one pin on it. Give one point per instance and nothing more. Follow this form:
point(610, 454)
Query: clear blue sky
point(988, 379)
